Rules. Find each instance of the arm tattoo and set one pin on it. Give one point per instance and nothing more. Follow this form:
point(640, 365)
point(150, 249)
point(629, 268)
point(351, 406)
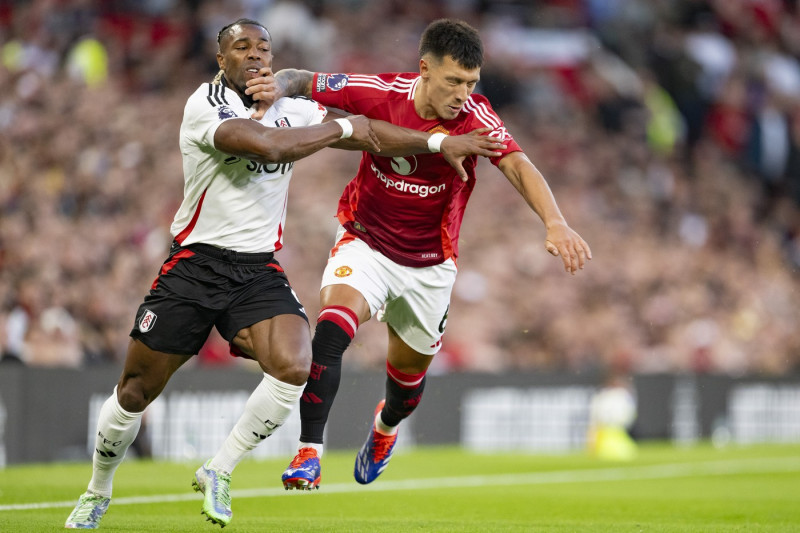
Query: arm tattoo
point(293, 82)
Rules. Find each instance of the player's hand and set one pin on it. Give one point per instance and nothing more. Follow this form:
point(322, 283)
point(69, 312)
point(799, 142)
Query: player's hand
point(264, 91)
point(456, 148)
point(563, 241)
point(363, 134)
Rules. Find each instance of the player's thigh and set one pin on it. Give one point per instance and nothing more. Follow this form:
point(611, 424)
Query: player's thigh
point(177, 315)
point(418, 315)
point(172, 325)
point(357, 266)
point(405, 358)
point(282, 347)
point(268, 322)
point(345, 296)
point(145, 374)
point(266, 294)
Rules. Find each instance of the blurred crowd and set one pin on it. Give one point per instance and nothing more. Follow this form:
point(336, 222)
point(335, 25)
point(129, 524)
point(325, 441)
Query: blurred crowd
point(669, 131)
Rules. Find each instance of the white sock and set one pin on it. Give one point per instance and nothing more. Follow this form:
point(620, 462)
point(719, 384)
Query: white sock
point(314, 445)
point(266, 409)
point(382, 428)
point(116, 430)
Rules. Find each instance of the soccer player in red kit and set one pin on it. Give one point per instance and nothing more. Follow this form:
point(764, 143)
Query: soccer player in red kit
point(396, 249)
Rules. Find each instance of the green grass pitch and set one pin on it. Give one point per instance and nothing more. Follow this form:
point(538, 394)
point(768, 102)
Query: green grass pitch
point(665, 489)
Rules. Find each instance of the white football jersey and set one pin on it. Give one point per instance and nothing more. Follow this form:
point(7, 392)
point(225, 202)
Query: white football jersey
point(228, 201)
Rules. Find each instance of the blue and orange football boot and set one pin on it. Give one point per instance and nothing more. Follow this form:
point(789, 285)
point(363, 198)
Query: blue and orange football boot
point(374, 455)
point(304, 472)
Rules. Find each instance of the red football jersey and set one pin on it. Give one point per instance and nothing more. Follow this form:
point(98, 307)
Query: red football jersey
point(408, 208)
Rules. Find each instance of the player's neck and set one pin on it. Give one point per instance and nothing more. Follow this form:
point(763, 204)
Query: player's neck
point(246, 98)
point(422, 103)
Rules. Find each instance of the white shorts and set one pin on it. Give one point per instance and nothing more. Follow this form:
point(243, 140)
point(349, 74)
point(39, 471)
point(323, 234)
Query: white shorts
point(413, 301)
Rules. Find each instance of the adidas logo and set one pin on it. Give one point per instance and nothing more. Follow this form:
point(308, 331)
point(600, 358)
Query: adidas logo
point(105, 454)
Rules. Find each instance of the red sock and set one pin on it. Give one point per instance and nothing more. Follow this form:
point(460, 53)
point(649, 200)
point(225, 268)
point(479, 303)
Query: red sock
point(403, 394)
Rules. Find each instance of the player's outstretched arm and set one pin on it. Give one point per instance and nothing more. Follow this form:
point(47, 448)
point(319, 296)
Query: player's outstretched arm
point(251, 140)
point(399, 141)
point(396, 141)
point(561, 240)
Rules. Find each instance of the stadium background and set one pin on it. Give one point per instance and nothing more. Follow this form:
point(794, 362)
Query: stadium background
point(669, 131)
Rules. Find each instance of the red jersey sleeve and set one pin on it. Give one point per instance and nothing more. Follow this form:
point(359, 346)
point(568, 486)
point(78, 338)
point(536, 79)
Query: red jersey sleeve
point(373, 95)
point(481, 115)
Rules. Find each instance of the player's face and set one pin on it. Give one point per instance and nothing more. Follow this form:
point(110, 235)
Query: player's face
point(245, 50)
point(448, 86)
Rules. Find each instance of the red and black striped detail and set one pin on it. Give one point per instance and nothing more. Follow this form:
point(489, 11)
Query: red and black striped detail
point(169, 265)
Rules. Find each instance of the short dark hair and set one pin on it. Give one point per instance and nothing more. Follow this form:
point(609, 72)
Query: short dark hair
point(455, 38)
point(227, 29)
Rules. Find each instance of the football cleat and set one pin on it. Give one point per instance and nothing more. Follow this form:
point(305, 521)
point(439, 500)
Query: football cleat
point(304, 472)
point(215, 486)
point(88, 512)
point(374, 455)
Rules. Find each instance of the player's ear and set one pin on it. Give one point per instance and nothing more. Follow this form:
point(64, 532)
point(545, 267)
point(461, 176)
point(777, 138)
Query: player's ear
point(423, 69)
point(221, 61)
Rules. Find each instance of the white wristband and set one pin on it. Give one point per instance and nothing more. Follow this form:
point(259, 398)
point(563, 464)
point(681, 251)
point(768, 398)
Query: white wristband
point(347, 127)
point(435, 142)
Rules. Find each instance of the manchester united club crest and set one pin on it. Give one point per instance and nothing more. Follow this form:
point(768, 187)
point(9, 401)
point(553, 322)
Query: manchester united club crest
point(342, 271)
point(439, 129)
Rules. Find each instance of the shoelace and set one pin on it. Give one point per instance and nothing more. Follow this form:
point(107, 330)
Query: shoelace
point(302, 456)
point(382, 444)
point(86, 508)
point(222, 492)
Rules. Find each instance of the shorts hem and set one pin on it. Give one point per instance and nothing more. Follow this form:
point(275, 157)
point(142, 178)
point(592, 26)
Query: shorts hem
point(293, 312)
point(402, 338)
point(135, 334)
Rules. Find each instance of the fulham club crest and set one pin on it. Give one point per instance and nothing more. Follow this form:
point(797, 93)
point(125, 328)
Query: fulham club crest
point(147, 321)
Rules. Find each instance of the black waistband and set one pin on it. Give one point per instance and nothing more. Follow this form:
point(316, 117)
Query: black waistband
point(231, 256)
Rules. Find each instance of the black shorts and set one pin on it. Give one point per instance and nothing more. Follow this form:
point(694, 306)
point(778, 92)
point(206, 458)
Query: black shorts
point(202, 286)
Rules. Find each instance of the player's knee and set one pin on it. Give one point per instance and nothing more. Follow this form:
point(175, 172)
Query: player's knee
point(294, 370)
point(295, 375)
point(131, 395)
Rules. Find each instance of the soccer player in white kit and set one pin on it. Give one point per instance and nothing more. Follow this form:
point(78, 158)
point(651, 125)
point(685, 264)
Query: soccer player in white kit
point(396, 252)
point(221, 270)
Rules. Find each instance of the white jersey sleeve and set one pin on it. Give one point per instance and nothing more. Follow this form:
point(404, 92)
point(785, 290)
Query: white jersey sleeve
point(231, 202)
point(205, 112)
point(307, 111)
